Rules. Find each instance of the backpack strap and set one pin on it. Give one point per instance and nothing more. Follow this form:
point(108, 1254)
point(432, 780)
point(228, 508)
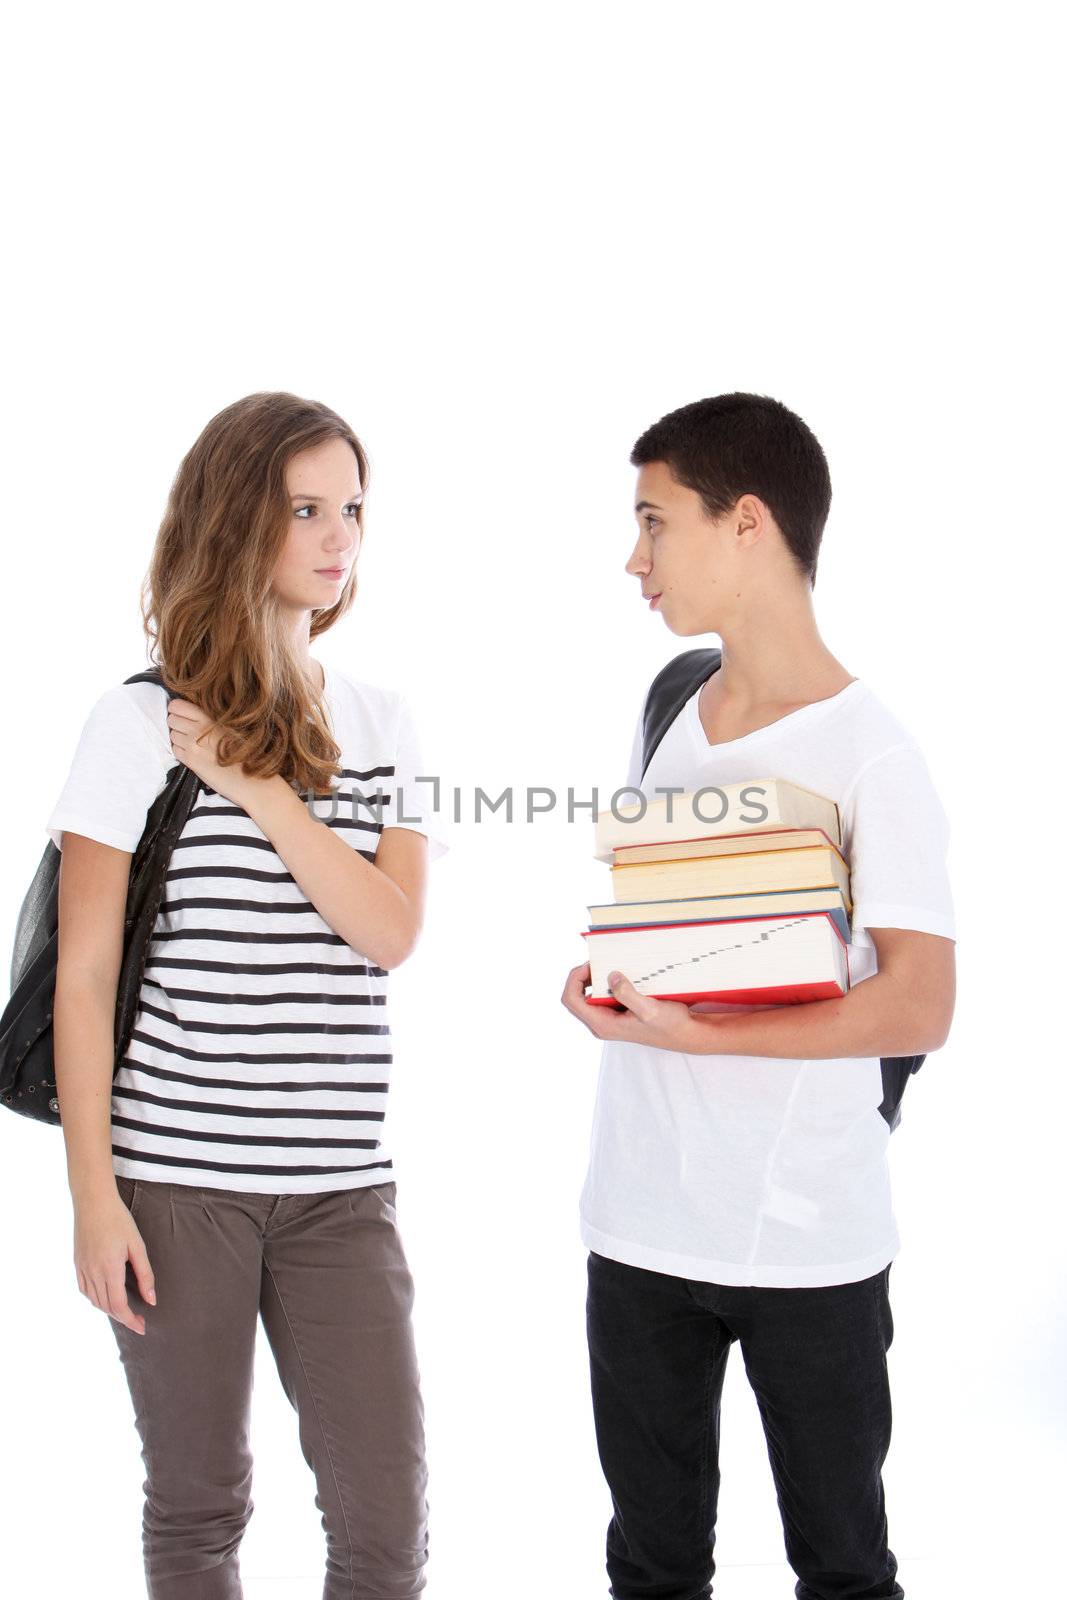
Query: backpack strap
point(670, 689)
point(151, 675)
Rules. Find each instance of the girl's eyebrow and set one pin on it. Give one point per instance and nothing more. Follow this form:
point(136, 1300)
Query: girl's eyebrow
point(357, 497)
point(650, 504)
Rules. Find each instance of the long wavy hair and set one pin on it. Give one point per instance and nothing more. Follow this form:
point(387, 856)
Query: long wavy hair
point(214, 624)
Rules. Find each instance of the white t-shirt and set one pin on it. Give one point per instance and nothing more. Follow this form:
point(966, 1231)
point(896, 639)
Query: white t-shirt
point(767, 1170)
point(260, 1053)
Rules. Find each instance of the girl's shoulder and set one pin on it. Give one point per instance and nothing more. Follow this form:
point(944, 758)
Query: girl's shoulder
point(376, 703)
point(144, 704)
point(356, 704)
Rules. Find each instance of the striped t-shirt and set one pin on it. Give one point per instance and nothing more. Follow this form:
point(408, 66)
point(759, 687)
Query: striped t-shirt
point(260, 1053)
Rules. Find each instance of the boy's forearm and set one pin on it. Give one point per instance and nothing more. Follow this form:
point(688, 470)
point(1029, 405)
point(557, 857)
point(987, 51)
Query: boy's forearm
point(872, 1019)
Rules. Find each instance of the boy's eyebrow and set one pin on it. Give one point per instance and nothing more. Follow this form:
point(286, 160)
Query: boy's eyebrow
point(358, 497)
point(650, 504)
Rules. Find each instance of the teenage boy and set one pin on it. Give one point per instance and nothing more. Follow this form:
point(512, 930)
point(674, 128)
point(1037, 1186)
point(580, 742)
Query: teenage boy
point(738, 1185)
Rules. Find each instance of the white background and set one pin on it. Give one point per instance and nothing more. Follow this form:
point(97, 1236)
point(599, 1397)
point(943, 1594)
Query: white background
point(501, 241)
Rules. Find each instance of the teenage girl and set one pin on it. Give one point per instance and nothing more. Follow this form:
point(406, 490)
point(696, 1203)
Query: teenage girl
point(230, 1166)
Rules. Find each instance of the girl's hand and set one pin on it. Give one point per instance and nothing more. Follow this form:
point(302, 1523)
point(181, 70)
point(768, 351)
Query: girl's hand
point(664, 1024)
point(194, 738)
point(105, 1238)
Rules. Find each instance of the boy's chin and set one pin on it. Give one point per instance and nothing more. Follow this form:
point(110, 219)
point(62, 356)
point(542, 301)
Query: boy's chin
point(687, 627)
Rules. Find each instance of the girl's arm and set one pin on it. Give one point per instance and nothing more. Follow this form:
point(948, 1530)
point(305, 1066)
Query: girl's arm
point(93, 881)
point(376, 907)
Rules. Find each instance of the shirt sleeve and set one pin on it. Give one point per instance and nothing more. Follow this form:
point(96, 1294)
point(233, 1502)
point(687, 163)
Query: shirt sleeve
point(895, 835)
point(119, 768)
point(418, 792)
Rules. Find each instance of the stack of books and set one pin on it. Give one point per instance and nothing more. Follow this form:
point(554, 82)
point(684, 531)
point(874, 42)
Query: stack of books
point(752, 908)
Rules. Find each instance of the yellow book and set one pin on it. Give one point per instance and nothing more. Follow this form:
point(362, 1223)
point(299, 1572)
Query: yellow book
point(759, 805)
point(816, 867)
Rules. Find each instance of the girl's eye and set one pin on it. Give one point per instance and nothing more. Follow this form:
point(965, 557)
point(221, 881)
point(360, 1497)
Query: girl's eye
point(352, 506)
point(650, 519)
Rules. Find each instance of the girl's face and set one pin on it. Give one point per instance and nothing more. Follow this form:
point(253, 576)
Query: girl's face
point(324, 536)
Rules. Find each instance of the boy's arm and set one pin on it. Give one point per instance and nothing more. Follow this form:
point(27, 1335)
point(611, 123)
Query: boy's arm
point(904, 1009)
point(898, 834)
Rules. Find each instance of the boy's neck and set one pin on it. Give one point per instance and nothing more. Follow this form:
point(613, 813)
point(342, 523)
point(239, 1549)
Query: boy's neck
point(776, 657)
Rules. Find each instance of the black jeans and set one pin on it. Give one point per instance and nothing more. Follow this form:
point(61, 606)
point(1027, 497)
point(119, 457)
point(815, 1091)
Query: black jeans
point(816, 1360)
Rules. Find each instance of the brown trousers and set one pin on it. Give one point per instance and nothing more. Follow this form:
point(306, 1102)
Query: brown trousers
point(328, 1275)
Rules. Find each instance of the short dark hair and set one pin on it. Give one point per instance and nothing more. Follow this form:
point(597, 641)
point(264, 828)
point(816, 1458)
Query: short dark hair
point(735, 444)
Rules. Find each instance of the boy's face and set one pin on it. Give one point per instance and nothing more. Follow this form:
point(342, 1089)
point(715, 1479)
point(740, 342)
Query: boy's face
point(682, 555)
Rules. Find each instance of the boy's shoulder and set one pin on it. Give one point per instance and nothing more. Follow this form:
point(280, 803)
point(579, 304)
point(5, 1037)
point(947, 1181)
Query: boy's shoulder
point(870, 726)
point(872, 743)
point(858, 721)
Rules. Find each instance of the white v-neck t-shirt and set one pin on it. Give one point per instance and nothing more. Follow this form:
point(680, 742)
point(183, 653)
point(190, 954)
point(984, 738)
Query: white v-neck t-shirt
point(261, 1051)
point(754, 1170)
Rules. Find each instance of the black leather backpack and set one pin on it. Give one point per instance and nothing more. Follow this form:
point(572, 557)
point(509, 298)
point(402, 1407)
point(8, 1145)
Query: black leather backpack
point(670, 690)
point(27, 1070)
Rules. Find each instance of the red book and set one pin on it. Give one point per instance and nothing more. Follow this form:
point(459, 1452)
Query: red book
point(773, 960)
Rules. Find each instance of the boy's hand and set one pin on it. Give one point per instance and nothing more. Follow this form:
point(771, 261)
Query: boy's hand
point(664, 1024)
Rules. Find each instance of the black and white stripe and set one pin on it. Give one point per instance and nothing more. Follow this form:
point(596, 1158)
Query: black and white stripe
point(261, 1052)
